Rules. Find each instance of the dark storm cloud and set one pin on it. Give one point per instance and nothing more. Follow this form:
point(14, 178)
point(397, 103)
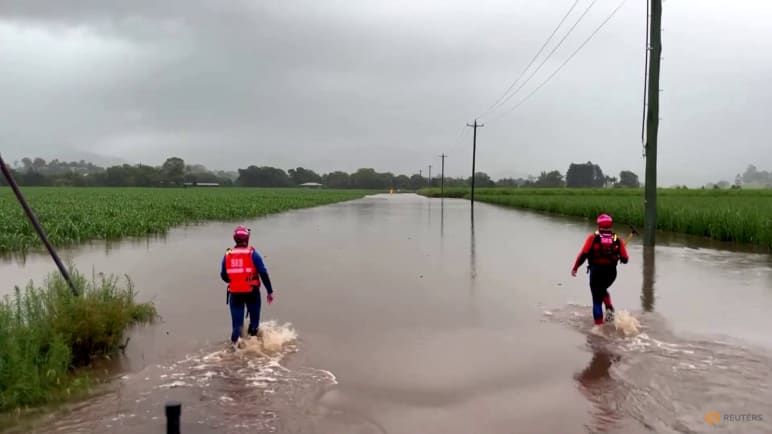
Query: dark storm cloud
point(347, 84)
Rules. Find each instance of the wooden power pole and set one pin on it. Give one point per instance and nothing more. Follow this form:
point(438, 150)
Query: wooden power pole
point(442, 179)
point(652, 124)
point(36, 225)
point(474, 151)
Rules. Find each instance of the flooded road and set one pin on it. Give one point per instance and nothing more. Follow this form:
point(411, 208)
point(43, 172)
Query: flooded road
point(409, 314)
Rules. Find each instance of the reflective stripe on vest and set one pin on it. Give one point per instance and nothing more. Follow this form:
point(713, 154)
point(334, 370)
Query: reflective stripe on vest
point(242, 272)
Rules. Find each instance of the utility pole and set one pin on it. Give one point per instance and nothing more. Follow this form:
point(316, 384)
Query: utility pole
point(652, 123)
point(430, 176)
point(442, 181)
point(474, 151)
point(36, 225)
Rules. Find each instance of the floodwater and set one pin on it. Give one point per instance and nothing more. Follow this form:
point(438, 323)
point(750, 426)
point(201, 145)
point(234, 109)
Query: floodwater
point(402, 314)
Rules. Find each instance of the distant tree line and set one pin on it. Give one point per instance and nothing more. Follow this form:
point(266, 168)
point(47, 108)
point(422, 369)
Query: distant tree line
point(591, 175)
point(175, 172)
point(755, 178)
point(578, 175)
point(752, 178)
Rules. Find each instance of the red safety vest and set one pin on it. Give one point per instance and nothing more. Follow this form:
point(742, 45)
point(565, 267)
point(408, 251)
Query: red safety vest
point(605, 249)
point(242, 272)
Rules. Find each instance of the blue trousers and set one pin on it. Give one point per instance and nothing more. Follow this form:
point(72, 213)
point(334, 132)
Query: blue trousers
point(237, 302)
point(601, 278)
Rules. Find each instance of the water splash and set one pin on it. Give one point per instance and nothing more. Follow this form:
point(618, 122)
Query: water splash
point(626, 324)
point(272, 339)
point(665, 381)
point(222, 389)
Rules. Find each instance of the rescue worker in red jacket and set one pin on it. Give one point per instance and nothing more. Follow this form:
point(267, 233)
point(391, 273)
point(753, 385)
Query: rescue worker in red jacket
point(602, 249)
point(243, 268)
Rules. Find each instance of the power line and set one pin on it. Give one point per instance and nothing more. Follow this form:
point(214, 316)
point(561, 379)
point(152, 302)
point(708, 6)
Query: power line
point(459, 136)
point(495, 104)
point(569, 58)
point(549, 56)
point(459, 142)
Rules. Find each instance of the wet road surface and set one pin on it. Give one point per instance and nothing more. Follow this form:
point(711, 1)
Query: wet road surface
point(411, 315)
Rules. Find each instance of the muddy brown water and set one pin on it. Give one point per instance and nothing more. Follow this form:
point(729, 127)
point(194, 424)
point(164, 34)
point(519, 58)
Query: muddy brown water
point(415, 315)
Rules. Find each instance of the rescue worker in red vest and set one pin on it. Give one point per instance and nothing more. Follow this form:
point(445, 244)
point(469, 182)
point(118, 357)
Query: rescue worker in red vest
point(602, 249)
point(243, 269)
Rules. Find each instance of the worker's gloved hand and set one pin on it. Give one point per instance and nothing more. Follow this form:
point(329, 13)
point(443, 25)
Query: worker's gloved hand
point(270, 298)
point(573, 272)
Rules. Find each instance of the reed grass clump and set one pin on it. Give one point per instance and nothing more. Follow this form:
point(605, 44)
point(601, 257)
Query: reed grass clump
point(47, 333)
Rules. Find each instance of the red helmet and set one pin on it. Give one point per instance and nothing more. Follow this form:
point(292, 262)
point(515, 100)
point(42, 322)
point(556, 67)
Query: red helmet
point(604, 221)
point(241, 235)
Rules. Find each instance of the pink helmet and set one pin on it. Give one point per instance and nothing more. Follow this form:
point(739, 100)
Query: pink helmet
point(604, 221)
point(241, 234)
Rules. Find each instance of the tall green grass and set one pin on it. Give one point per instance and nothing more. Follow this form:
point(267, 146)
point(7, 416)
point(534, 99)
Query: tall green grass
point(75, 215)
point(742, 216)
point(47, 333)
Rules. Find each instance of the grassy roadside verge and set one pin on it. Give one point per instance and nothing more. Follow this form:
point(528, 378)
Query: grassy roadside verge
point(741, 216)
point(48, 336)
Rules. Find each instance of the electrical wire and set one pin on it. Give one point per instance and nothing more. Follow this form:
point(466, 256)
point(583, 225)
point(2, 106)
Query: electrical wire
point(569, 58)
point(495, 104)
point(549, 56)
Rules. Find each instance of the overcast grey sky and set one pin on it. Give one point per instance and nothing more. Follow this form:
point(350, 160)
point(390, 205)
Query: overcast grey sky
point(343, 84)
